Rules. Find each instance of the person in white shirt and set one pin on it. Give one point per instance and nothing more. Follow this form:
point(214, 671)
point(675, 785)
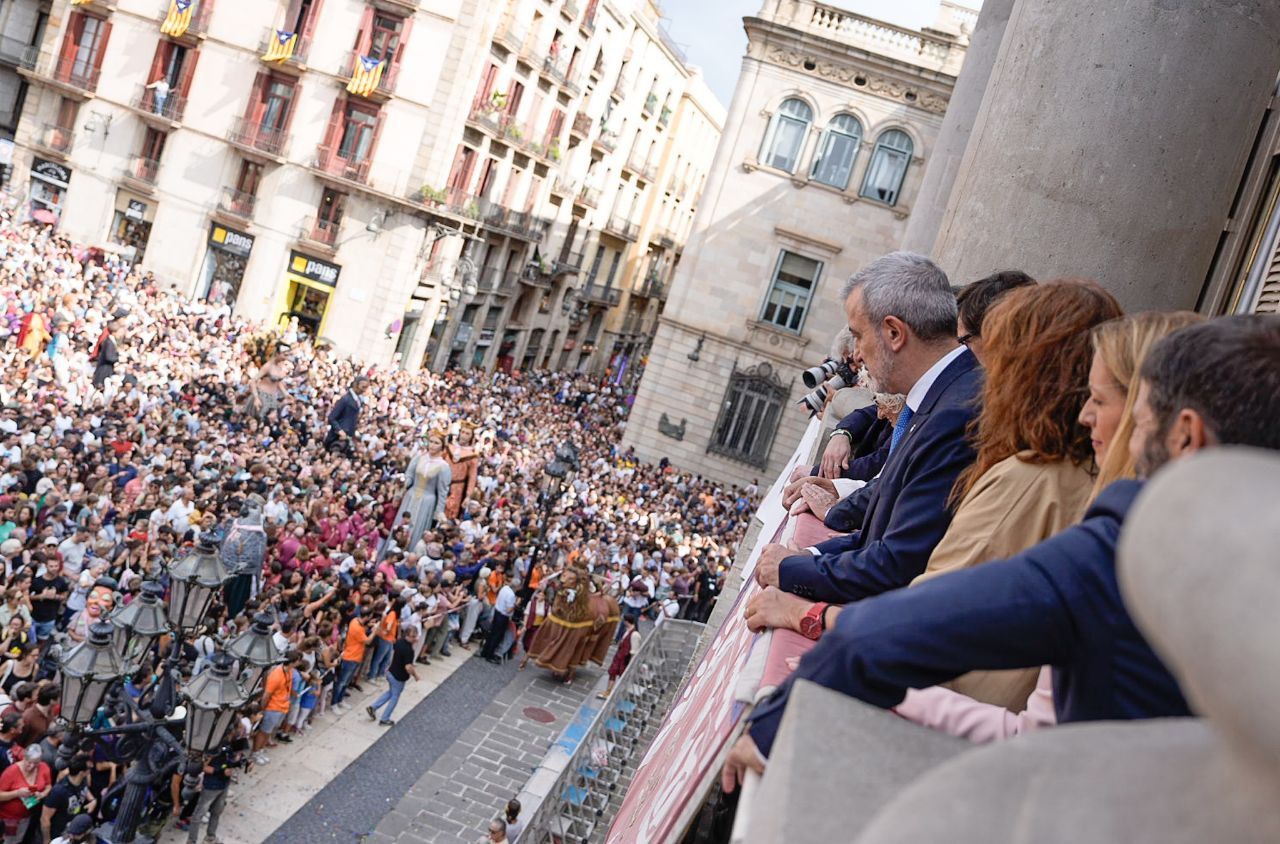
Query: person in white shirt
point(73, 550)
point(503, 608)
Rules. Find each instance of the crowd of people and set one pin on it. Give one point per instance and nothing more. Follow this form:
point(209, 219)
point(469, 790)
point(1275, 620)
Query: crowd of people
point(377, 518)
point(959, 564)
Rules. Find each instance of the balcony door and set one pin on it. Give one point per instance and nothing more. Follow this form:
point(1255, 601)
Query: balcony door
point(359, 128)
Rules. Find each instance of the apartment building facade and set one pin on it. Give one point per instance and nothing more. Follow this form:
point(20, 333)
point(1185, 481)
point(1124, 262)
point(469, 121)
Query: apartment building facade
point(22, 25)
point(320, 162)
point(823, 153)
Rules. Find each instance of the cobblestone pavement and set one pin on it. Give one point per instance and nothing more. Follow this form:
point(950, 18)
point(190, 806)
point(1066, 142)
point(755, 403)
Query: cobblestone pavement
point(490, 761)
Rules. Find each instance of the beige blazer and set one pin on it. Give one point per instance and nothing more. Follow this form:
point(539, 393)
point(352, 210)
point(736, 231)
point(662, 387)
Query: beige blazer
point(1013, 506)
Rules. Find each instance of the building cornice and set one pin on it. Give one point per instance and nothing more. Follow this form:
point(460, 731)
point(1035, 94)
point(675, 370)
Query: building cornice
point(849, 66)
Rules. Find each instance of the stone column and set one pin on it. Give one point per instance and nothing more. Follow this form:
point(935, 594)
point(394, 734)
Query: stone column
point(1111, 141)
point(944, 160)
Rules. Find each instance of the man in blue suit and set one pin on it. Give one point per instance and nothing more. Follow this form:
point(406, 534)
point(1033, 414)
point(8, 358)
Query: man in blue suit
point(1057, 603)
point(902, 314)
point(344, 415)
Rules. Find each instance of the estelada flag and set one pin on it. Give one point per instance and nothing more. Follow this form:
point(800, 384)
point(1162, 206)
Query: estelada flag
point(366, 76)
point(178, 20)
point(281, 46)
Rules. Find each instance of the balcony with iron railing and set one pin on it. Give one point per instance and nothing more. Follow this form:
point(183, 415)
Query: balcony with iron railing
point(568, 262)
point(168, 108)
point(386, 82)
point(595, 294)
point(75, 76)
point(570, 10)
point(561, 186)
point(56, 138)
point(330, 161)
point(653, 287)
point(556, 68)
point(489, 118)
point(644, 167)
point(620, 226)
point(142, 170)
point(510, 36)
point(301, 50)
point(321, 232)
point(237, 203)
point(589, 196)
point(199, 25)
point(664, 117)
point(253, 137)
point(606, 141)
point(650, 104)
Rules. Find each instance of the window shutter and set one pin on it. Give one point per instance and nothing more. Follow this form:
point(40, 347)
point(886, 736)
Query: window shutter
point(332, 134)
point(158, 61)
point(309, 25)
point(365, 36)
point(69, 41)
point(257, 99)
point(293, 105)
point(102, 46)
point(377, 133)
point(188, 72)
point(1269, 296)
point(404, 42)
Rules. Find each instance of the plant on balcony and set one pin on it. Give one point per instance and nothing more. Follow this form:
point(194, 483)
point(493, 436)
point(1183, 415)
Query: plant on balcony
point(498, 100)
point(515, 133)
point(472, 210)
point(554, 152)
point(426, 193)
point(537, 148)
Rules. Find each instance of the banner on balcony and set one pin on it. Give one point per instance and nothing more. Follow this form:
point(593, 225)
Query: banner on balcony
point(178, 21)
point(281, 46)
point(366, 76)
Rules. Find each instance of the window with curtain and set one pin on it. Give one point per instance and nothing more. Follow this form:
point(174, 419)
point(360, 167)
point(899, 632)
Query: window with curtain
point(888, 167)
point(784, 139)
point(837, 151)
point(749, 416)
point(357, 135)
point(794, 279)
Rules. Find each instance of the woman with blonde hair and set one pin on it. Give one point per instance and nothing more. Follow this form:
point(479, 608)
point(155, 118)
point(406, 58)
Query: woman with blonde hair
point(1119, 348)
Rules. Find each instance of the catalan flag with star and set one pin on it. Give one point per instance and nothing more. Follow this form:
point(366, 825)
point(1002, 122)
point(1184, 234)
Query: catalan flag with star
point(366, 76)
point(178, 20)
point(281, 46)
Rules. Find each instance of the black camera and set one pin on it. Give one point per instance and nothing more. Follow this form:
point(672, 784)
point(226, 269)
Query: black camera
point(836, 373)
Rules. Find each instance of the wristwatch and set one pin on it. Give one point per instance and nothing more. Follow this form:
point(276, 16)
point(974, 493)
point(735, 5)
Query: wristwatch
point(814, 622)
point(841, 432)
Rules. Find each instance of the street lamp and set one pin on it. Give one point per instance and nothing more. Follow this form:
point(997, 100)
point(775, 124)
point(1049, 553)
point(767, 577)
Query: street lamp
point(213, 699)
point(193, 581)
point(88, 671)
point(137, 625)
point(256, 651)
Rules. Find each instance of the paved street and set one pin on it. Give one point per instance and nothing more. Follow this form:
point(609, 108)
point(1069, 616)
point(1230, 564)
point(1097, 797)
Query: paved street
point(449, 765)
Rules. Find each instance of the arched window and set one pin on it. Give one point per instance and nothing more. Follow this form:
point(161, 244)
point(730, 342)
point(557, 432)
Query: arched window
point(837, 151)
point(784, 141)
point(888, 167)
point(749, 415)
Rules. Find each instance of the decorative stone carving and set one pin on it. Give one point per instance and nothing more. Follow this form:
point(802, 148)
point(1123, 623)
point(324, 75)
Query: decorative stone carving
point(669, 429)
point(890, 89)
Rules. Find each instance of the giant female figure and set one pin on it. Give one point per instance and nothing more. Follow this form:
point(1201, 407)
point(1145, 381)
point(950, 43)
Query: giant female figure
point(426, 488)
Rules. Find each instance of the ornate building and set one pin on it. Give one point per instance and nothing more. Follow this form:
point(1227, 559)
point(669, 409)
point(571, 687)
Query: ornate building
point(834, 117)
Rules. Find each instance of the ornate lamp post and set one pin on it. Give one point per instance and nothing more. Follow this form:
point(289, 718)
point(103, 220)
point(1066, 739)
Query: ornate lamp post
point(153, 730)
point(256, 651)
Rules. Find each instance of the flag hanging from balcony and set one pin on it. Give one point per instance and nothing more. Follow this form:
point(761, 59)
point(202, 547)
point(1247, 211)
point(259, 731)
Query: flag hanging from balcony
point(280, 46)
point(178, 20)
point(365, 76)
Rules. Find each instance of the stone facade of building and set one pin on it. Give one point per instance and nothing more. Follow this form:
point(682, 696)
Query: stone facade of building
point(834, 117)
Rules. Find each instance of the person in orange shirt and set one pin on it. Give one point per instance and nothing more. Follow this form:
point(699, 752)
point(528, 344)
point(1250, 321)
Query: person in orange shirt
point(497, 578)
point(386, 633)
point(352, 656)
point(276, 695)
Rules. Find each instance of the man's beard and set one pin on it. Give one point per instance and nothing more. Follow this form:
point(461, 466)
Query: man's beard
point(878, 382)
point(1154, 455)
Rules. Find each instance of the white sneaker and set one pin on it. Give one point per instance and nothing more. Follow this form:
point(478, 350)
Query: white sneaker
point(260, 758)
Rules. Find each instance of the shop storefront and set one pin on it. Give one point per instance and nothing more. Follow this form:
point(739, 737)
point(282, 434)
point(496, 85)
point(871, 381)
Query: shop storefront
point(49, 183)
point(131, 227)
point(224, 264)
point(308, 288)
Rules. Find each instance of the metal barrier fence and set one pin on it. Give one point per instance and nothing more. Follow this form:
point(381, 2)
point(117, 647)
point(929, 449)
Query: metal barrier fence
point(577, 807)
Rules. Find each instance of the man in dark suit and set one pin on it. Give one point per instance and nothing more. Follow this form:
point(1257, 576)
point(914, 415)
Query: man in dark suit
point(902, 314)
point(344, 415)
point(105, 355)
point(1057, 603)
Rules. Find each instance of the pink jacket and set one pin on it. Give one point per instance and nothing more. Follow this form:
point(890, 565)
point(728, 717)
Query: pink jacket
point(963, 717)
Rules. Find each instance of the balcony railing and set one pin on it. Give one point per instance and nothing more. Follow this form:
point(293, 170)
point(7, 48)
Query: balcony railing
point(607, 141)
point(237, 203)
point(301, 48)
point(488, 213)
point(563, 187)
point(330, 160)
point(664, 116)
point(490, 118)
point(650, 103)
point(570, 10)
point(620, 86)
point(555, 67)
point(510, 36)
point(581, 125)
point(620, 226)
point(246, 133)
point(652, 287)
point(324, 232)
point(597, 295)
point(386, 82)
point(645, 167)
point(199, 25)
point(76, 74)
point(568, 262)
point(589, 196)
point(168, 107)
point(57, 138)
point(143, 169)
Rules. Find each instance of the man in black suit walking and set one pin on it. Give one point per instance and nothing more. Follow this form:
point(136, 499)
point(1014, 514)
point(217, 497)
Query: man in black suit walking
point(105, 355)
point(344, 416)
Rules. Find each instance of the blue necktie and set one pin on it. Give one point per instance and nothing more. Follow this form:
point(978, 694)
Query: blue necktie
point(900, 428)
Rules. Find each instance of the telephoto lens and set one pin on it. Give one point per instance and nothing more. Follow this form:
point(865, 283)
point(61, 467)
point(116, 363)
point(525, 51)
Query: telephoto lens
point(815, 401)
point(843, 377)
point(815, 375)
